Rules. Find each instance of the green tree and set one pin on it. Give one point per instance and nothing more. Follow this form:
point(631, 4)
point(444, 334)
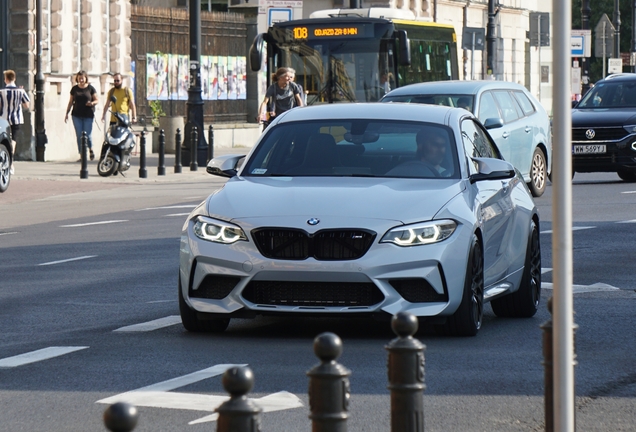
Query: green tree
point(598, 8)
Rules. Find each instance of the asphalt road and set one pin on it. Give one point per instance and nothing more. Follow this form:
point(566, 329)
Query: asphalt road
point(93, 272)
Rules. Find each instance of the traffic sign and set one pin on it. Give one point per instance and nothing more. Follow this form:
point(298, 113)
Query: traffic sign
point(614, 65)
point(581, 43)
point(604, 37)
point(479, 35)
point(539, 33)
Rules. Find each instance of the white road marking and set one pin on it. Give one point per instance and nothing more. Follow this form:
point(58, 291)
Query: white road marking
point(169, 207)
point(628, 221)
point(160, 301)
point(176, 214)
point(9, 233)
point(160, 396)
point(67, 260)
point(39, 355)
point(545, 270)
point(152, 325)
point(577, 289)
point(573, 229)
point(628, 192)
point(92, 223)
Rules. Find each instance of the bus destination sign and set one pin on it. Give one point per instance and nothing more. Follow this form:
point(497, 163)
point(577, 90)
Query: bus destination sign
point(313, 32)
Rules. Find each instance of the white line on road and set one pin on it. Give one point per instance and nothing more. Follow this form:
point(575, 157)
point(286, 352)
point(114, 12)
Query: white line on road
point(161, 301)
point(169, 207)
point(160, 395)
point(578, 289)
point(39, 355)
point(627, 221)
point(545, 270)
point(152, 325)
point(67, 260)
point(176, 214)
point(9, 233)
point(93, 223)
point(628, 192)
point(573, 229)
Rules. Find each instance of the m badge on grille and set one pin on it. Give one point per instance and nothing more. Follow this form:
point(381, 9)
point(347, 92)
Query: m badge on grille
point(313, 221)
point(590, 134)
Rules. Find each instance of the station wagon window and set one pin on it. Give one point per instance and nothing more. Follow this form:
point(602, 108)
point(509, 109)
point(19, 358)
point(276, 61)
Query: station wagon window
point(509, 108)
point(487, 107)
point(477, 143)
point(524, 101)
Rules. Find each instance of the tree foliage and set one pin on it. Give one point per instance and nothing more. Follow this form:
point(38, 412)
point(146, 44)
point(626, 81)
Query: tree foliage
point(597, 9)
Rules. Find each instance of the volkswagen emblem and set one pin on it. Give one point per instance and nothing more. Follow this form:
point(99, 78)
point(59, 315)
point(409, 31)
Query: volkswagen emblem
point(590, 134)
point(313, 221)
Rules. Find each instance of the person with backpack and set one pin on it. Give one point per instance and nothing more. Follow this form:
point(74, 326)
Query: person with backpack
point(125, 101)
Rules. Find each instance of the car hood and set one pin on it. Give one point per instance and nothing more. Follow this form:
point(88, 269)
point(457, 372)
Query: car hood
point(405, 200)
point(603, 117)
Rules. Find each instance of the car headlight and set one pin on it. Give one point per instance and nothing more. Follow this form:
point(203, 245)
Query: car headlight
point(630, 128)
point(421, 233)
point(217, 231)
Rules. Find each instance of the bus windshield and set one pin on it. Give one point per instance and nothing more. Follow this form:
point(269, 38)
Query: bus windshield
point(341, 70)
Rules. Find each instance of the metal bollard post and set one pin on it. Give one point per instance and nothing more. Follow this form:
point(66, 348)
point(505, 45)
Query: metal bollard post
point(210, 144)
point(239, 414)
point(548, 373)
point(121, 417)
point(84, 167)
point(143, 173)
point(161, 168)
point(177, 152)
point(406, 375)
point(329, 392)
point(193, 149)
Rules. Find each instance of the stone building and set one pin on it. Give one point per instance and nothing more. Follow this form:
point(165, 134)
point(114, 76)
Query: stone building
point(95, 35)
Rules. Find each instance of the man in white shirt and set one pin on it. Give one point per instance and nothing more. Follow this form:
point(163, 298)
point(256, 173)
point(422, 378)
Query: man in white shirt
point(12, 100)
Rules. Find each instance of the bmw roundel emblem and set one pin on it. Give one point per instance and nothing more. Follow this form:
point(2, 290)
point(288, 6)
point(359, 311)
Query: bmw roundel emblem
point(313, 221)
point(590, 134)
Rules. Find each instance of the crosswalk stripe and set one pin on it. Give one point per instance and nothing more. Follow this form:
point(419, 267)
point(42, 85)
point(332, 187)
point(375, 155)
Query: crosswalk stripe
point(151, 325)
point(38, 355)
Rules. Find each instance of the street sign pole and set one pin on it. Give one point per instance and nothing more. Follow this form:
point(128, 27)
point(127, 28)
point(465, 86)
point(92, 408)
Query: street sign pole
point(604, 39)
point(472, 59)
point(563, 325)
point(539, 52)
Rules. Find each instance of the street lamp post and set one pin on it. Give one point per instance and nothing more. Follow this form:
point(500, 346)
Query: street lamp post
point(195, 101)
point(617, 25)
point(40, 131)
point(490, 39)
point(585, 25)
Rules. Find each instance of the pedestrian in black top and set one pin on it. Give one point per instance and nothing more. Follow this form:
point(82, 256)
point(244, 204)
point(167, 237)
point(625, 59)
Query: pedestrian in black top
point(83, 100)
point(282, 95)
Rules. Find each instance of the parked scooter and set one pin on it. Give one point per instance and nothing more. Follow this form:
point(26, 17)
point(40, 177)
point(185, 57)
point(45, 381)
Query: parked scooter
point(119, 141)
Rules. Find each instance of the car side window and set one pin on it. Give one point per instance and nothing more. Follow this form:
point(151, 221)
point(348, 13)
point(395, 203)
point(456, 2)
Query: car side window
point(509, 108)
point(477, 143)
point(525, 103)
point(487, 107)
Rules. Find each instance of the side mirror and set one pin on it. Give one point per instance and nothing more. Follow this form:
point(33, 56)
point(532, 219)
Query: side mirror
point(224, 166)
point(256, 52)
point(493, 123)
point(492, 169)
point(404, 48)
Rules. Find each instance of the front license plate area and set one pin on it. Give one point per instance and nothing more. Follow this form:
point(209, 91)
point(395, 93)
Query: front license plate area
point(589, 149)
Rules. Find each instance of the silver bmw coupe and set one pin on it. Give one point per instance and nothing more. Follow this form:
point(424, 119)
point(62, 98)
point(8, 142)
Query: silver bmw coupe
point(364, 210)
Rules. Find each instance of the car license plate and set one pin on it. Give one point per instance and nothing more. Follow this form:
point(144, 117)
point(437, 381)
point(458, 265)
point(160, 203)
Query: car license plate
point(589, 149)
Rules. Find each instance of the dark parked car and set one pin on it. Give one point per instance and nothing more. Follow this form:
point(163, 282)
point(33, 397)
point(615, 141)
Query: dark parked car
point(524, 138)
point(5, 155)
point(604, 128)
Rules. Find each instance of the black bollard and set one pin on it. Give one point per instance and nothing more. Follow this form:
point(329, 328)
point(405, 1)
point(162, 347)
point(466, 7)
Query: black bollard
point(329, 392)
point(161, 168)
point(210, 144)
point(177, 152)
point(194, 139)
point(239, 414)
point(143, 173)
point(406, 375)
point(84, 168)
point(121, 417)
point(548, 372)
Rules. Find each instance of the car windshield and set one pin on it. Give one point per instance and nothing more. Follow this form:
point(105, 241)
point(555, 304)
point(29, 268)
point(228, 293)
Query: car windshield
point(452, 100)
point(610, 95)
point(365, 148)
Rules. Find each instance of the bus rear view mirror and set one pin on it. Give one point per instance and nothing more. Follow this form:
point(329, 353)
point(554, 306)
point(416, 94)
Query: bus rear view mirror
point(404, 48)
point(256, 52)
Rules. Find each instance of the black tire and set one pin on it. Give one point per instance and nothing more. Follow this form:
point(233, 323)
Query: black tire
point(192, 323)
point(627, 176)
point(538, 173)
point(466, 321)
point(524, 302)
point(5, 168)
point(106, 166)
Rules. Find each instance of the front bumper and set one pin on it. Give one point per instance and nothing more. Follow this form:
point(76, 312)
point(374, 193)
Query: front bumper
point(620, 155)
